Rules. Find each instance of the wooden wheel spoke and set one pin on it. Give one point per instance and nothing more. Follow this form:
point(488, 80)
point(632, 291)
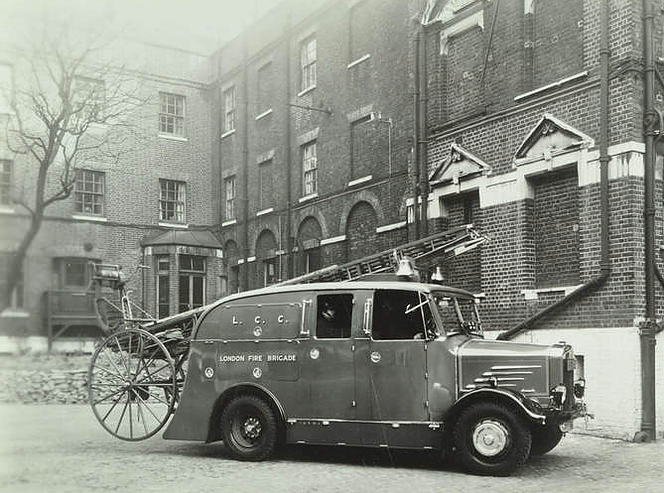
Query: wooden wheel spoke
point(147, 406)
point(109, 372)
point(153, 373)
point(108, 396)
point(111, 409)
point(155, 397)
point(142, 416)
point(111, 360)
point(131, 420)
point(124, 409)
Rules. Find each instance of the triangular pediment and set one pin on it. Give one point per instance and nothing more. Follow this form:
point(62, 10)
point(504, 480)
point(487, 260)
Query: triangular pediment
point(549, 137)
point(459, 164)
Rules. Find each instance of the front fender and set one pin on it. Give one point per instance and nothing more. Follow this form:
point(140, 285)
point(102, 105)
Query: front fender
point(531, 410)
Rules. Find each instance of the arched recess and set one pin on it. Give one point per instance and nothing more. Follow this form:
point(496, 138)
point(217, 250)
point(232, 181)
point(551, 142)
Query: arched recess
point(231, 256)
point(309, 234)
point(301, 215)
point(266, 258)
point(361, 237)
point(363, 196)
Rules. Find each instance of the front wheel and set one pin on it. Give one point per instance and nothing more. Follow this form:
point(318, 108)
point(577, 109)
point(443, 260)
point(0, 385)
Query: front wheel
point(249, 428)
point(491, 439)
point(545, 439)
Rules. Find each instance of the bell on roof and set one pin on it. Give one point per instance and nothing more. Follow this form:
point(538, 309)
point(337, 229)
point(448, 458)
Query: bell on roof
point(406, 270)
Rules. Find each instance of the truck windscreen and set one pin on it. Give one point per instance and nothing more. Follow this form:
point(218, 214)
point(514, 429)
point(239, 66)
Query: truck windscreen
point(459, 314)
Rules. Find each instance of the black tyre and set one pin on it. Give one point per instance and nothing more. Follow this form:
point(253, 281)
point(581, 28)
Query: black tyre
point(249, 428)
point(545, 438)
point(491, 439)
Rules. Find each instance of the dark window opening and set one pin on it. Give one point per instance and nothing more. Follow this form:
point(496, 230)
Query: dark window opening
point(334, 316)
point(401, 315)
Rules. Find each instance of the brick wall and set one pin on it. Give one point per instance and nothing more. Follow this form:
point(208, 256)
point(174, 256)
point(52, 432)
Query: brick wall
point(556, 226)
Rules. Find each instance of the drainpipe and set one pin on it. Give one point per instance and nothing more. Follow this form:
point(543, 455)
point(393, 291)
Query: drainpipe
point(605, 264)
point(422, 143)
point(289, 192)
point(416, 131)
point(245, 170)
point(648, 327)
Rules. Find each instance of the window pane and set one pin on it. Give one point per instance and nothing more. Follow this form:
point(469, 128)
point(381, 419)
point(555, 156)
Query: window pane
point(399, 315)
point(75, 273)
point(334, 316)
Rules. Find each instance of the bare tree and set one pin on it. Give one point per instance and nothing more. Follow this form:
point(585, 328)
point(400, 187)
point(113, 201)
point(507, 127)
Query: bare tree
point(70, 107)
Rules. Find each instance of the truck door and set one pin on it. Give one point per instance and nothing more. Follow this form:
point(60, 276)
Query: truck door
point(391, 358)
point(328, 362)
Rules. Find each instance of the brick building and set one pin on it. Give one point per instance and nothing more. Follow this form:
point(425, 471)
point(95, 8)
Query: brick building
point(298, 152)
point(315, 137)
point(151, 207)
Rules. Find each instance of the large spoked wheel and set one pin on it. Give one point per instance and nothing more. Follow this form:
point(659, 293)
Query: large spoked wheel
point(545, 438)
point(132, 384)
point(491, 439)
point(249, 427)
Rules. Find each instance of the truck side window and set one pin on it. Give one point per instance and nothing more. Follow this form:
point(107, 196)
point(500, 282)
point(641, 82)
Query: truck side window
point(334, 316)
point(401, 315)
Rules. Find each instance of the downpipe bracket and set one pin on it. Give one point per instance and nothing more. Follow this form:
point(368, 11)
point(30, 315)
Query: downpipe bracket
point(649, 328)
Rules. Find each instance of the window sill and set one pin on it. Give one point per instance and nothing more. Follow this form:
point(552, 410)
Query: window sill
point(305, 91)
point(334, 239)
point(227, 134)
point(84, 217)
point(359, 181)
point(230, 222)
point(7, 210)
point(14, 313)
point(559, 83)
point(359, 60)
point(307, 197)
point(265, 211)
point(173, 137)
point(263, 115)
point(173, 225)
point(391, 227)
point(533, 294)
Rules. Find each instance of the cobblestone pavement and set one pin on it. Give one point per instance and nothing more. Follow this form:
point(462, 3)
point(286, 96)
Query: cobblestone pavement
point(62, 448)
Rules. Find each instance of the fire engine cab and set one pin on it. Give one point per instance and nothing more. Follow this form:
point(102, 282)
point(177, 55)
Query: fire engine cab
point(379, 363)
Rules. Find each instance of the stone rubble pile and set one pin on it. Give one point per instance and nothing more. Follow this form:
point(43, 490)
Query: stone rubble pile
point(55, 379)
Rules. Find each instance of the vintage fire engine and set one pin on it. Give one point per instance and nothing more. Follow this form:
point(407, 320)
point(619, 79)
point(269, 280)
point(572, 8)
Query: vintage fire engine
point(381, 361)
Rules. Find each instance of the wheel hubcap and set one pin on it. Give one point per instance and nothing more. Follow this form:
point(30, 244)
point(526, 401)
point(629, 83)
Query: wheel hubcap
point(251, 428)
point(490, 437)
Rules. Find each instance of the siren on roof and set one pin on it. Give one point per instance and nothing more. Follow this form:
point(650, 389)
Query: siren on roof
point(437, 276)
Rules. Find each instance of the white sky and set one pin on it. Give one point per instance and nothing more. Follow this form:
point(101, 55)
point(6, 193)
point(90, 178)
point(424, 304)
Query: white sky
point(197, 25)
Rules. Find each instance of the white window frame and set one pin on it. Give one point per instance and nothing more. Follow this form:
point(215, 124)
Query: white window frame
point(6, 173)
point(308, 58)
point(172, 112)
point(229, 109)
point(309, 168)
point(89, 190)
point(176, 195)
point(229, 203)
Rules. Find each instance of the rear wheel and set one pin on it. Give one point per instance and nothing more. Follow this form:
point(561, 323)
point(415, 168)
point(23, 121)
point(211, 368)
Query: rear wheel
point(491, 439)
point(249, 428)
point(545, 439)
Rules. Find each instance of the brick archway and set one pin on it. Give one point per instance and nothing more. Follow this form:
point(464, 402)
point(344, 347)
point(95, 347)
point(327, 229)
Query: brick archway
point(361, 237)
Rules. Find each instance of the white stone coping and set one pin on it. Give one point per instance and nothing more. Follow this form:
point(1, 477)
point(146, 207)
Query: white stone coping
point(173, 225)
point(7, 210)
point(359, 181)
point(391, 227)
point(476, 19)
point(305, 91)
point(265, 211)
point(177, 138)
point(240, 261)
point(230, 222)
point(308, 197)
point(264, 114)
point(533, 294)
point(227, 133)
point(11, 312)
point(251, 259)
point(334, 239)
point(280, 252)
point(265, 156)
point(85, 217)
point(359, 60)
point(559, 83)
